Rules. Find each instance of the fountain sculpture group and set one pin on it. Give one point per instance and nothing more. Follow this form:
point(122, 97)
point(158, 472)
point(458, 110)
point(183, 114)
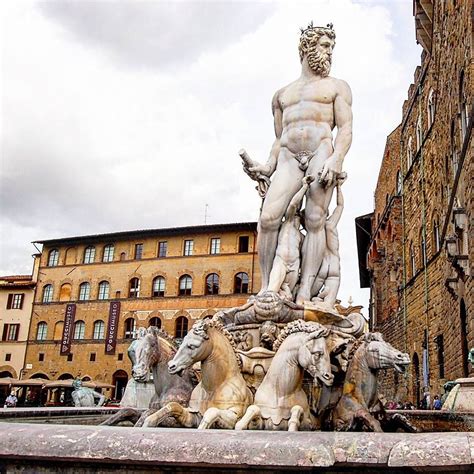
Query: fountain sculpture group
point(291, 358)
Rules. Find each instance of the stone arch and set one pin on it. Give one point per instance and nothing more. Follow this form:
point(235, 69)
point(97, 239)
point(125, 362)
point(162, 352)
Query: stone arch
point(65, 292)
point(71, 256)
point(8, 371)
point(39, 375)
point(66, 376)
point(208, 312)
point(58, 330)
point(119, 379)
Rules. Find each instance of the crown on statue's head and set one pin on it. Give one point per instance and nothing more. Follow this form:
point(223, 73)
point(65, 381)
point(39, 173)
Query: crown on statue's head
point(310, 27)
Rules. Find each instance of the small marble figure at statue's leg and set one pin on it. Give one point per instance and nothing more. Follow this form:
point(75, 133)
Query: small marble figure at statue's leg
point(318, 199)
point(296, 418)
point(252, 413)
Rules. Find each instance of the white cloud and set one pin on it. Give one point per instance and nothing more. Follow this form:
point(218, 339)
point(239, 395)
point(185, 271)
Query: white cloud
point(93, 142)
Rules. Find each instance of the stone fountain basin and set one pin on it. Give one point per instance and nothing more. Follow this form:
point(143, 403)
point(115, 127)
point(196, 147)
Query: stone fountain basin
point(47, 448)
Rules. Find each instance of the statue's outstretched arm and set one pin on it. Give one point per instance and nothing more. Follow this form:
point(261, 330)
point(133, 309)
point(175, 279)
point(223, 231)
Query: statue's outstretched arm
point(337, 213)
point(298, 197)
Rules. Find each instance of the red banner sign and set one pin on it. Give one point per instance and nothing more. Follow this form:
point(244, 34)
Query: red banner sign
point(68, 329)
point(112, 327)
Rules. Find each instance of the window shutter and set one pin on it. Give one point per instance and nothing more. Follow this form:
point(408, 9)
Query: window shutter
point(5, 332)
point(17, 330)
point(10, 301)
point(22, 297)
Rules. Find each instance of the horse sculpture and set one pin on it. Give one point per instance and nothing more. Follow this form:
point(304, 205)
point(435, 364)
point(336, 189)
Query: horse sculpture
point(153, 350)
point(359, 407)
point(280, 401)
point(222, 396)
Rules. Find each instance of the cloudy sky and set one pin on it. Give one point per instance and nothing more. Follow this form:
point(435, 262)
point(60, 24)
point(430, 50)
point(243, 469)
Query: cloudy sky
point(122, 115)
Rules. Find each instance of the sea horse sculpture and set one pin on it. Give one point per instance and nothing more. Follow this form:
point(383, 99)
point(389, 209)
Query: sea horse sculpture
point(359, 402)
point(222, 396)
point(153, 350)
point(280, 401)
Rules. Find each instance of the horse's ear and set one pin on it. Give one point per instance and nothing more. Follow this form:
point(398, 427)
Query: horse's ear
point(373, 336)
point(318, 332)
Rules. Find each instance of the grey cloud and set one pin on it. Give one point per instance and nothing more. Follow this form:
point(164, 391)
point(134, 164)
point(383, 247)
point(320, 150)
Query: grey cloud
point(157, 34)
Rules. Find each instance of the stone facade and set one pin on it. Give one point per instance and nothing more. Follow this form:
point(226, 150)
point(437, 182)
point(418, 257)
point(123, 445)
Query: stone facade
point(419, 253)
point(16, 302)
point(94, 271)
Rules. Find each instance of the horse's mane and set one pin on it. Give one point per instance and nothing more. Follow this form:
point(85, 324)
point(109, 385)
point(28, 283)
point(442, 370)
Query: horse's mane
point(365, 338)
point(300, 325)
point(201, 327)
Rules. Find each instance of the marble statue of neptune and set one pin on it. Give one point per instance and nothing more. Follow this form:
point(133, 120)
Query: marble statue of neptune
point(305, 115)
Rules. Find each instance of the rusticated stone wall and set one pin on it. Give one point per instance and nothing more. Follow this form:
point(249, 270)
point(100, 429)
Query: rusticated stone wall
point(433, 319)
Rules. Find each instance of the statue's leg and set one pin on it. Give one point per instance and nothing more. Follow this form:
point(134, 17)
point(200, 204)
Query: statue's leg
point(225, 418)
point(368, 420)
point(296, 418)
point(175, 410)
point(286, 181)
point(124, 414)
point(252, 413)
point(141, 419)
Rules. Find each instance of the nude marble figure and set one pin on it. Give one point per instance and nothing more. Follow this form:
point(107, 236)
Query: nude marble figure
point(305, 114)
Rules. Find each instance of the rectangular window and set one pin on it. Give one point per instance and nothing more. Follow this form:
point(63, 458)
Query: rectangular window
point(188, 247)
point(15, 300)
point(69, 357)
point(215, 246)
point(8, 357)
point(41, 357)
point(138, 251)
point(120, 356)
point(243, 243)
point(10, 332)
point(92, 357)
point(162, 249)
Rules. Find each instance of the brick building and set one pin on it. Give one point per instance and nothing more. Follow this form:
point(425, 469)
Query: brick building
point(417, 259)
point(16, 303)
point(94, 291)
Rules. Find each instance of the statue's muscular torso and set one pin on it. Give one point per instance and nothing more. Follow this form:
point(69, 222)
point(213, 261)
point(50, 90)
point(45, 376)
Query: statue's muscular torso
point(307, 113)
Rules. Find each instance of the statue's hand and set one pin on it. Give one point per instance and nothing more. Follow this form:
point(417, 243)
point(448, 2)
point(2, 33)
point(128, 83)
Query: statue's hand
point(308, 180)
point(257, 170)
point(331, 169)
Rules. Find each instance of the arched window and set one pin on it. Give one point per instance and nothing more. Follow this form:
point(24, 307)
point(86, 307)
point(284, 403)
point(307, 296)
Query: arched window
point(99, 329)
point(104, 289)
point(156, 321)
point(129, 328)
point(47, 294)
point(431, 108)
point(53, 258)
point(159, 284)
point(412, 261)
point(422, 249)
point(134, 288)
point(41, 331)
point(84, 291)
point(399, 183)
point(241, 283)
point(409, 153)
point(89, 254)
point(181, 327)
point(108, 255)
point(79, 329)
point(436, 236)
point(212, 284)
point(122, 256)
point(419, 134)
point(185, 285)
